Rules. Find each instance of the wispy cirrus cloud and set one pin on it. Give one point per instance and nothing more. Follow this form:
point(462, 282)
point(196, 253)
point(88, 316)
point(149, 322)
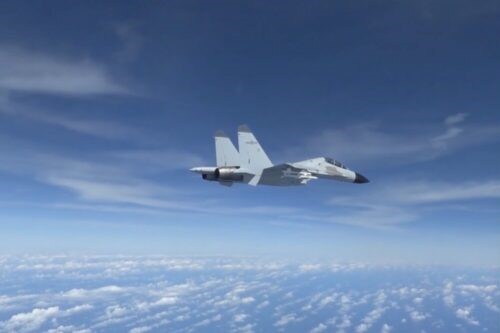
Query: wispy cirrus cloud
point(116, 178)
point(370, 142)
point(131, 40)
point(154, 160)
point(30, 71)
point(455, 119)
point(122, 177)
point(110, 130)
point(425, 192)
point(436, 192)
point(128, 177)
point(91, 126)
point(392, 203)
point(137, 192)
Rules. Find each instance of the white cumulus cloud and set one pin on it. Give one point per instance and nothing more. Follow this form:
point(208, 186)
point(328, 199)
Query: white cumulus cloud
point(30, 321)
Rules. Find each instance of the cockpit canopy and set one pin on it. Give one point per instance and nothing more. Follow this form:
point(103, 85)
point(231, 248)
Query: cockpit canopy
point(335, 162)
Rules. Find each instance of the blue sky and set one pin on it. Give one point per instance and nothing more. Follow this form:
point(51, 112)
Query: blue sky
point(104, 107)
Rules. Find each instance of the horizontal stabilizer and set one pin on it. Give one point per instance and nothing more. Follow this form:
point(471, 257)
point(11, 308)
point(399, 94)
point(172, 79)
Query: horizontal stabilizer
point(255, 180)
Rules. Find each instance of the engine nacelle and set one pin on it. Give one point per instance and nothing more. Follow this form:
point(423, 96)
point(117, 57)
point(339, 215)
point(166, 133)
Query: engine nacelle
point(228, 174)
point(223, 174)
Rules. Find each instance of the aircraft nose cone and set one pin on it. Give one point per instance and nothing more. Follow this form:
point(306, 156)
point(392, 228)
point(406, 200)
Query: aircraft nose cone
point(360, 179)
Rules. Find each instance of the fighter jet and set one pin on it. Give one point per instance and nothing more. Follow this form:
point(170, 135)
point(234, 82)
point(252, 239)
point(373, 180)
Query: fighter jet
point(250, 165)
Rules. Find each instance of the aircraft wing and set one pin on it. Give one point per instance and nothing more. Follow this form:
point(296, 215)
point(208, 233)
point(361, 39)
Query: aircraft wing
point(285, 166)
point(285, 174)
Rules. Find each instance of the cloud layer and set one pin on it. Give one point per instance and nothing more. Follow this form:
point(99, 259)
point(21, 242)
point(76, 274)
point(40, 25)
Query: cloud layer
point(196, 294)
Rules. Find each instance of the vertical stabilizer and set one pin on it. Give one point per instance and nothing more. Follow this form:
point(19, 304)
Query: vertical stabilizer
point(225, 152)
point(252, 156)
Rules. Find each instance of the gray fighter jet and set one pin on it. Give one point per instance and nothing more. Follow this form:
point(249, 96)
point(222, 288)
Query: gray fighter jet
point(252, 166)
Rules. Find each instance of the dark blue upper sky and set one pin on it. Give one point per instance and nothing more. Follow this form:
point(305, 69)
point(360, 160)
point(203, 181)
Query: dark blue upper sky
point(105, 105)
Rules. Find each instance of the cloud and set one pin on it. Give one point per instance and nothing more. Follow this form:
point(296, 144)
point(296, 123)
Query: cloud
point(374, 217)
point(422, 192)
point(156, 160)
point(386, 329)
point(368, 142)
point(114, 266)
point(131, 40)
point(490, 303)
point(105, 181)
point(263, 305)
point(110, 179)
point(96, 127)
point(466, 314)
point(240, 317)
point(418, 316)
point(78, 309)
point(234, 297)
point(130, 192)
point(469, 290)
point(80, 293)
point(310, 267)
point(448, 297)
point(248, 328)
point(427, 192)
point(327, 300)
point(393, 202)
point(34, 72)
point(370, 319)
point(450, 133)
point(208, 321)
point(137, 293)
point(361, 328)
point(345, 323)
point(286, 319)
point(477, 289)
point(246, 300)
point(455, 119)
point(68, 329)
point(110, 130)
point(30, 321)
point(115, 311)
point(319, 328)
point(141, 329)
point(167, 300)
